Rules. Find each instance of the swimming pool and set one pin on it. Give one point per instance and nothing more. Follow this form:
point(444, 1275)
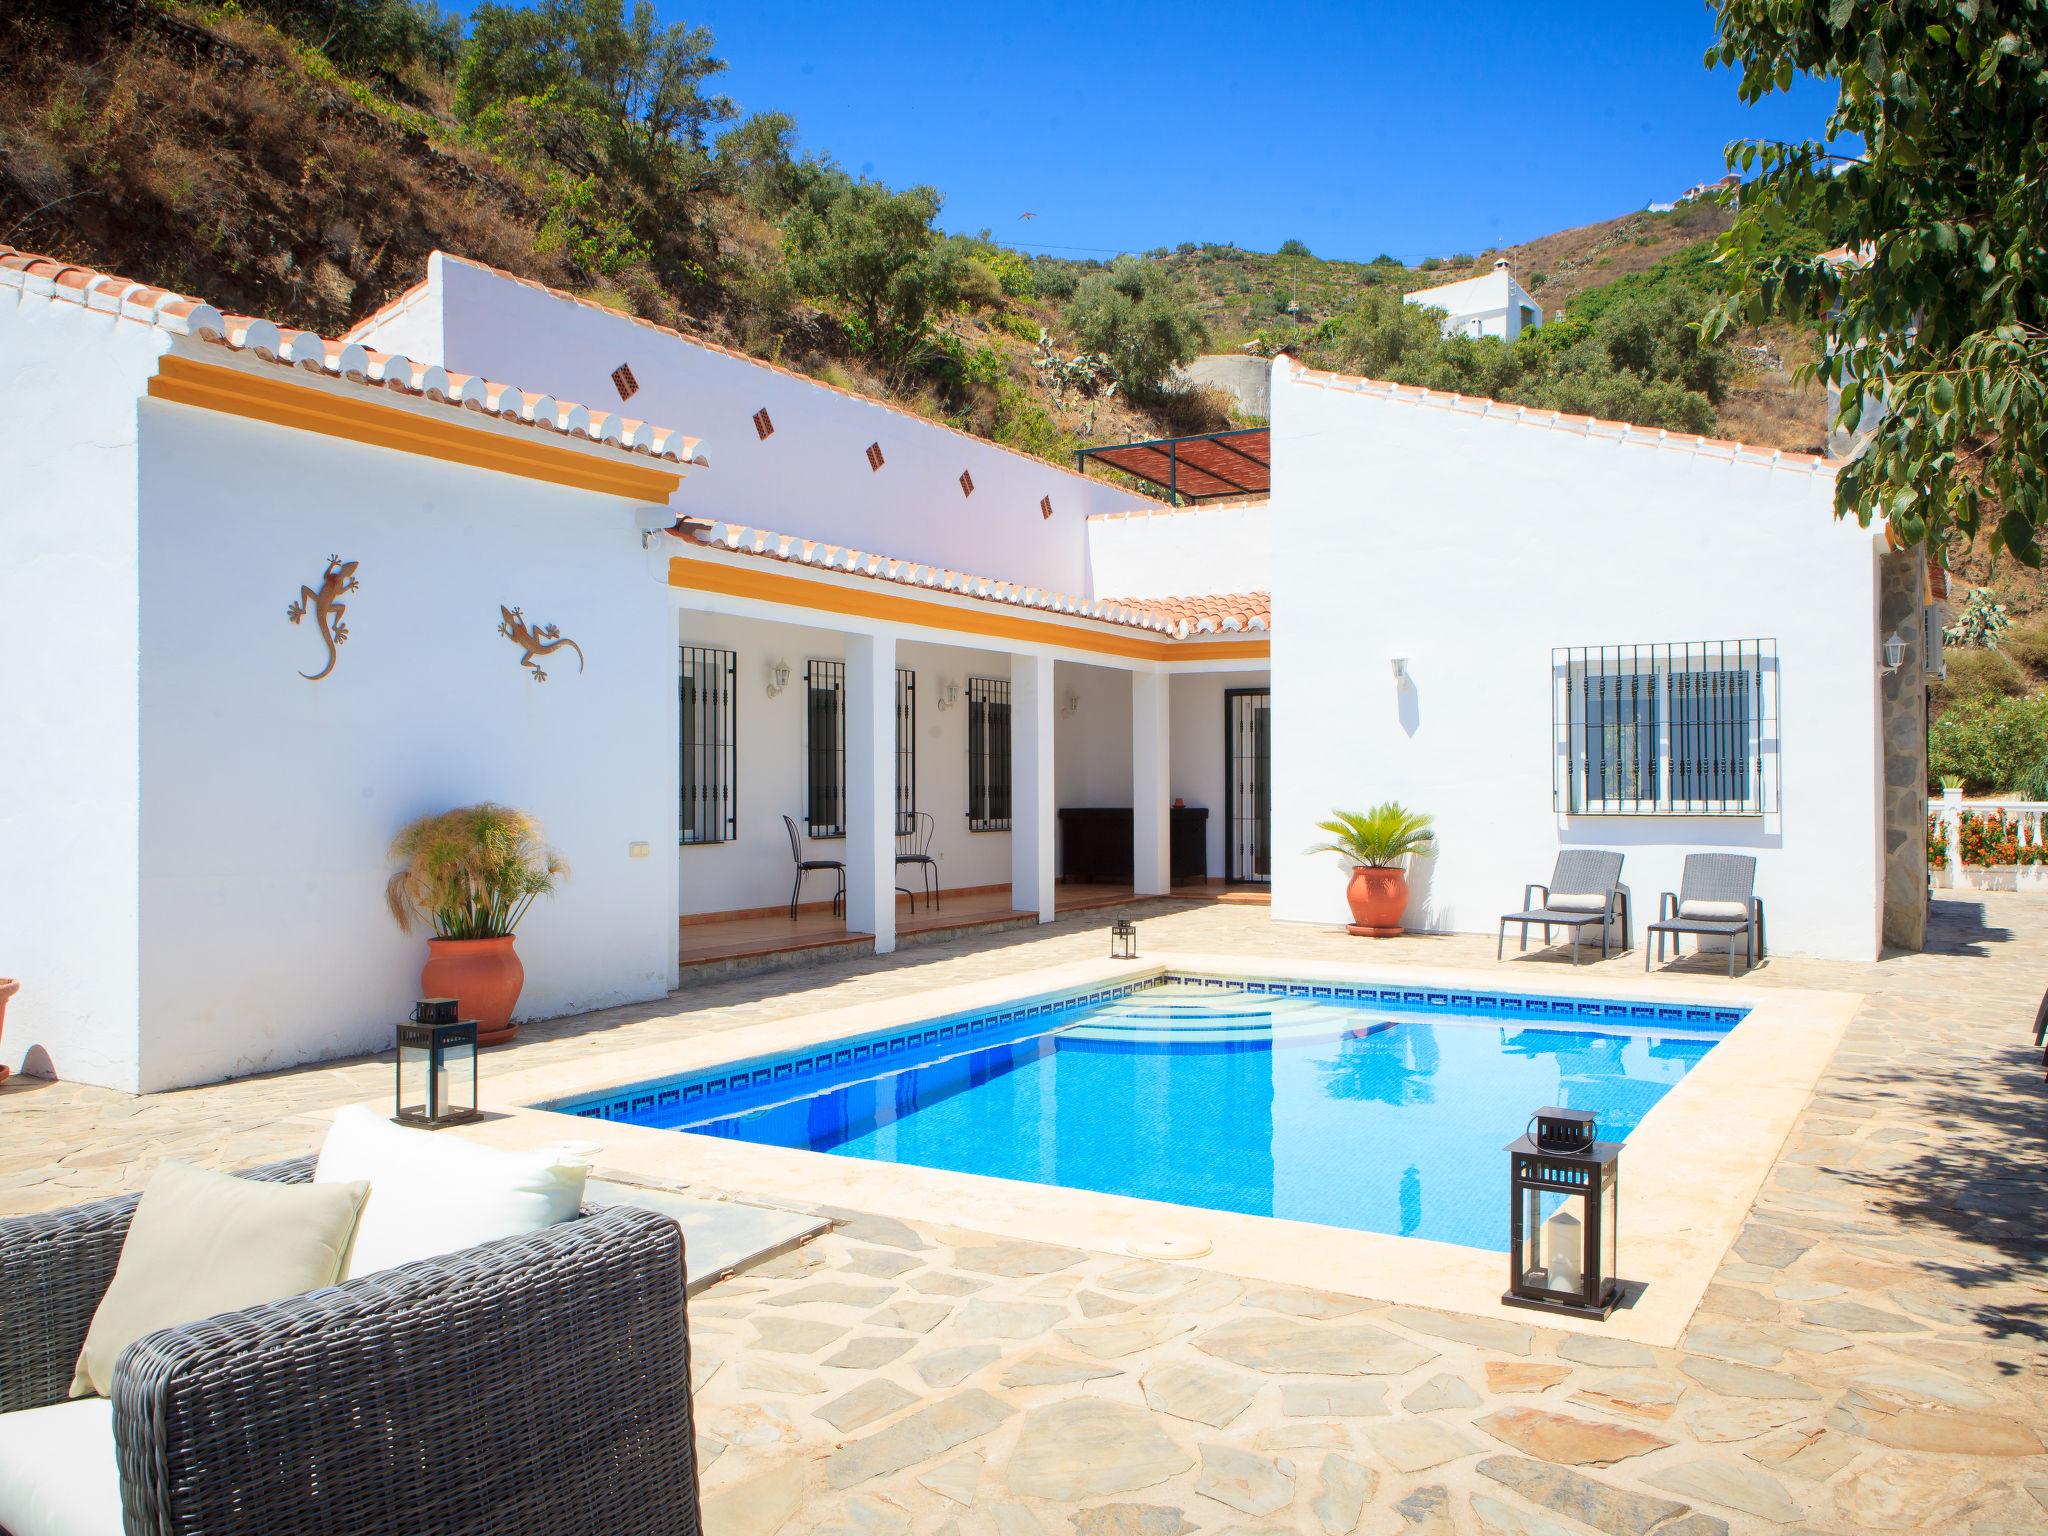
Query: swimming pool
point(1380, 1109)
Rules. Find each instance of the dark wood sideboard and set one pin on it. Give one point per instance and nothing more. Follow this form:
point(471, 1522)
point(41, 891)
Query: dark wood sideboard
point(1095, 844)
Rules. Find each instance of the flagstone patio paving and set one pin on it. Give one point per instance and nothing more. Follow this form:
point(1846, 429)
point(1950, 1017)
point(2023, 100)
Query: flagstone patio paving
point(1869, 1358)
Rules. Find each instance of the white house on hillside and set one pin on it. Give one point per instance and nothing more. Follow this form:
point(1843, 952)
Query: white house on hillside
point(1491, 305)
point(289, 592)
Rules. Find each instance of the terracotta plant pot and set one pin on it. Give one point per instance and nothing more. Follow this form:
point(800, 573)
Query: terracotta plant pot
point(1378, 897)
point(483, 976)
point(8, 988)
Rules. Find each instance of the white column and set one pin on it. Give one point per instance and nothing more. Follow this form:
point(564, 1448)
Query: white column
point(1151, 793)
point(1952, 818)
point(1031, 786)
point(871, 788)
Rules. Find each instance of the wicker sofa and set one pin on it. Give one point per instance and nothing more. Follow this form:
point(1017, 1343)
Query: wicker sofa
point(534, 1384)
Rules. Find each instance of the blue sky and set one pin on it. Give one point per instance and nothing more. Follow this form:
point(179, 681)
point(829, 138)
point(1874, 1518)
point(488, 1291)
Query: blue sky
point(1414, 129)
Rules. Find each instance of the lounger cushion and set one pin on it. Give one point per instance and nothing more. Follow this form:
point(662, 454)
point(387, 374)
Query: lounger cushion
point(1714, 911)
point(432, 1194)
point(204, 1243)
point(57, 1471)
point(1577, 902)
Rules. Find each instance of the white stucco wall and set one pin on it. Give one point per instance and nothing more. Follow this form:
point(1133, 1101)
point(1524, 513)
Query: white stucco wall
point(811, 477)
point(753, 871)
point(1491, 541)
point(268, 801)
point(1492, 304)
point(68, 822)
point(1182, 552)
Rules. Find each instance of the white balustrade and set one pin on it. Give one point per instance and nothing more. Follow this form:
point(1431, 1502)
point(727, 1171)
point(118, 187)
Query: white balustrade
point(2028, 817)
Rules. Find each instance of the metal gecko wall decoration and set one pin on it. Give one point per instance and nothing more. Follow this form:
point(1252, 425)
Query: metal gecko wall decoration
point(532, 642)
point(327, 608)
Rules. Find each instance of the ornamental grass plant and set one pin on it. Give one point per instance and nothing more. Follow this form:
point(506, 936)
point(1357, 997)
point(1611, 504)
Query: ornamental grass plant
point(471, 873)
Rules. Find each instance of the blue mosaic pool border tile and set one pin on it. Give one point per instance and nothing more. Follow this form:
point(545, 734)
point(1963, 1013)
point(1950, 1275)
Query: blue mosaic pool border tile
point(1518, 1004)
point(744, 1076)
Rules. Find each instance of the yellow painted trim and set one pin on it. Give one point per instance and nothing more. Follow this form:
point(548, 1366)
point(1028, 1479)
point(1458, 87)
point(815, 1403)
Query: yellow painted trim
point(235, 393)
point(866, 601)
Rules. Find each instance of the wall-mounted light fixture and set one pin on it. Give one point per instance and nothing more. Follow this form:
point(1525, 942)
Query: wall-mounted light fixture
point(652, 522)
point(1894, 651)
point(946, 693)
point(1400, 666)
point(776, 675)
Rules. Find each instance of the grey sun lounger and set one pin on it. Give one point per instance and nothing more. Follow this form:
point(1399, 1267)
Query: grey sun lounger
point(1716, 899)
point(1584, 888)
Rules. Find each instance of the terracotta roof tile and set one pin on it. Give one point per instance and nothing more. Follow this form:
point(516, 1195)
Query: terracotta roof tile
point(44, 276)
point(1177, 617)
point(1210, 613)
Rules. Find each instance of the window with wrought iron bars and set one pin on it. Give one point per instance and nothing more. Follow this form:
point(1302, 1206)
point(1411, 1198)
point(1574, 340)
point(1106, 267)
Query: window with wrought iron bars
point(988, 754)
point(710, 745)
point(825, 748)
point(1668, 729)
point(906, 749)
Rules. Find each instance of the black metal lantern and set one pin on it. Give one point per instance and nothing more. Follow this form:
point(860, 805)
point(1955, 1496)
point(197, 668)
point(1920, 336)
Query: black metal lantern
point(1123, 939)
point(436, 1066)
point(1564, 1189)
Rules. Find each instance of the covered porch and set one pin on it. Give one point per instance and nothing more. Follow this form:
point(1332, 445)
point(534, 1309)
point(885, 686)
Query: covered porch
point(951, 759)
point(720, 939)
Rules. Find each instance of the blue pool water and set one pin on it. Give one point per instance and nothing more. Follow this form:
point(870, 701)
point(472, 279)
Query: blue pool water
point(1385, 1116)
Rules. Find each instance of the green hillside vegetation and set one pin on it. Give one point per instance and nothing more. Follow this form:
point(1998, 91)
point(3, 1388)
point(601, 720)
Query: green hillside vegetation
point(300, 158)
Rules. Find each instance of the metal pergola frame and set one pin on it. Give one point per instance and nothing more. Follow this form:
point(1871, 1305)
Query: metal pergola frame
point(1169, 450)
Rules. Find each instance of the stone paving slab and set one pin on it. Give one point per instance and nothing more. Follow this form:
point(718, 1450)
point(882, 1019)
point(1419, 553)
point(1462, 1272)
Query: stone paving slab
point(1868, 1359)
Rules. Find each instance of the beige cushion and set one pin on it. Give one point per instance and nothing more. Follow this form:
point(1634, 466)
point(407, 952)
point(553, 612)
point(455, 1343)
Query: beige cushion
point(57, 1471)
point(431, 1193)
point(204, 1243)
point(1577, 902)
point(1714, 911)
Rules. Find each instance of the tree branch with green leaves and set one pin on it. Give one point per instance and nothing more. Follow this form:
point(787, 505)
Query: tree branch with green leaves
point(1937, 315)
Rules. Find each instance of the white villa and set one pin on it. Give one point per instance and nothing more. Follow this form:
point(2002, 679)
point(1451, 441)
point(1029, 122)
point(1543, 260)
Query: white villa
point(272, 595)
point(1493, 304)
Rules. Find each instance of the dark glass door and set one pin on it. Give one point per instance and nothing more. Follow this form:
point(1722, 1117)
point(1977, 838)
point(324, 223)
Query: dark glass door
point(1248, 785)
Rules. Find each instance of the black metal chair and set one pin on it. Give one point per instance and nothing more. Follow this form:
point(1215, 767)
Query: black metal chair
point(1716, 899)
point(805, 866)
point(2041, 1033)
point(1584, 888)
point(914, 830)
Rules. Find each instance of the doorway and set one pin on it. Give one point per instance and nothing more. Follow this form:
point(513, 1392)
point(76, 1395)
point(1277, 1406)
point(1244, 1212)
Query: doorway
point(1248, 785)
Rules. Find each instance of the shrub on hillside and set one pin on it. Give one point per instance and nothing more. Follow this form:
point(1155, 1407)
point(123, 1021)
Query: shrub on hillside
point(2026, 644)
point(1136, 316)
point(1993, 745)
point(1976, 675)
point(975, 286)
point(876, 252)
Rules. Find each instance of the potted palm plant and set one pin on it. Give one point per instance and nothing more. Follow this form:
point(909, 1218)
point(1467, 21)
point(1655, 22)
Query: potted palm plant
point(1376, 842)
point(470, 875)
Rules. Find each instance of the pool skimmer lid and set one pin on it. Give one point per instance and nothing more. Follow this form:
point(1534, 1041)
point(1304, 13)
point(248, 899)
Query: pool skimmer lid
point(1168, 1245)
